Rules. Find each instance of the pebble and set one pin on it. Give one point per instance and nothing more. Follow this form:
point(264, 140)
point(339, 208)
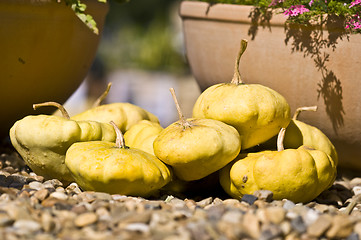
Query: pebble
point(36, 185)
point(288, 205)
point(232, 217)
point(59, 195)
point(41, 194)
point(205, 202)
point(5, 220)
point(356, 190)
point(85, 219)
point(251, 224)
point(138, 227)
point(248, 198)
point(341, 227)
point(320, 226)
point(298, 224)
point(34, 208)
point(310, 216)
point(355, 182)
point(47, 222)
point(264, 195)
point(357, 228)
point(275, 215)
point(26, 226)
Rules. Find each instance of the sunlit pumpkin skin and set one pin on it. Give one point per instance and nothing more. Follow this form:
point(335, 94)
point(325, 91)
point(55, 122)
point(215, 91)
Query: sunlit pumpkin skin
point(142, 135)
point(197, 147)
point(225, 179)
point(124, 115)
point(299, 175)
point(256, 111)
point(299, 133)
point(102, 166)
point(42, 141)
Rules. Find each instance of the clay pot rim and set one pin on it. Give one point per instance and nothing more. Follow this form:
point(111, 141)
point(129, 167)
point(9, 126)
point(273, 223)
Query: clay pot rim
point(238, 14)
point(223, 12)
point(40, 2)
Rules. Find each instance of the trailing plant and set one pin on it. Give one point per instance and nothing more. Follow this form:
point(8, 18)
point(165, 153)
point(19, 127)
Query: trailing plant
point(80, 10)
point(308, 11)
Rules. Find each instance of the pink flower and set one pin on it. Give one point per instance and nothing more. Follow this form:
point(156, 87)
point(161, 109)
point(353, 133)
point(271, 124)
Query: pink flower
point(354, 23)
point(310, 3)
point(354, 3)
point(275, 2)
point(296, 10)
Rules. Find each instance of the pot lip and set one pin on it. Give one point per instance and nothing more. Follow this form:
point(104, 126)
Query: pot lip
point(48, 2)
point(222, 12)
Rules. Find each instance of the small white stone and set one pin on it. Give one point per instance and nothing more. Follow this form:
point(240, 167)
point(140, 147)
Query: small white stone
point(59, 195)
point(117, 197)
point(356, 190)
point(138, 227)
point(291, 215)
point(27, 226)
point(310, 217)
point(36, 185)
point(288, 205)
point(232, 217)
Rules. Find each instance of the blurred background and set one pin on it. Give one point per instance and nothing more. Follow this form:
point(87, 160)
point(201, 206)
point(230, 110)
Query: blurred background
point(142, 53)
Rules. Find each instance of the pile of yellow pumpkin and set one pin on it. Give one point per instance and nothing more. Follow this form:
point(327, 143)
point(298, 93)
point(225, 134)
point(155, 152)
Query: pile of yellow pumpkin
point(230, 120)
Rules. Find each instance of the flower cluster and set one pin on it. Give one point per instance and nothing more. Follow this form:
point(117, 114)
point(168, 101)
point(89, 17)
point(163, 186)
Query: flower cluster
point(305, 10)
point(354, 23)
point(295, 10)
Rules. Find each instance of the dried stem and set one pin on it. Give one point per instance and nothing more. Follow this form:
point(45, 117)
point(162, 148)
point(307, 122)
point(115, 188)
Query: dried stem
point(53, 104)
point(102, 97)
point(301, 109)
point(237, 76)
point(119, 142)
point(281, 136)
point(182, 119)
point(355, 200)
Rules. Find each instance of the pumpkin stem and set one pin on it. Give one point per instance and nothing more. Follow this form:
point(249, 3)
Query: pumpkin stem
point(237, 76)
point(182, 119)
point(53, 104)
point(280, 137)
point(119, 142)
point(102, 97)
point(301, 109)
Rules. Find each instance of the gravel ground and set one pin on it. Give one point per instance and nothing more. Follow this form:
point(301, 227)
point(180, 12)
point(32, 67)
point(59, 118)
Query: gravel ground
point(34, 208)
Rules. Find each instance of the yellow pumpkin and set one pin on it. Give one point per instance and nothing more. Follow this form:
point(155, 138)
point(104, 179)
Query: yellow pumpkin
point(142, 135)
point(42, 141)
point(196, 148)
point(115, 168)
point(256, 111)
point(299, 133)
point(298, 174)
point(124, 115)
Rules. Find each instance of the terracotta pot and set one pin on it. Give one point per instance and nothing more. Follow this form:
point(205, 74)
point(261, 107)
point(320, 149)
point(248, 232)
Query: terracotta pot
point(46, 51)
point(307, 65)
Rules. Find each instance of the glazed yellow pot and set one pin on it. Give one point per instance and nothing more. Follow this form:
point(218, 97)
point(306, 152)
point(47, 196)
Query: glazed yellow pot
point(46, 51)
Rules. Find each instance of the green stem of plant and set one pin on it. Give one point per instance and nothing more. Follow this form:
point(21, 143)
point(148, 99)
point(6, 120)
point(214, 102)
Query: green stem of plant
point(301, 109)
point(237, 76)
point(53, 104)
